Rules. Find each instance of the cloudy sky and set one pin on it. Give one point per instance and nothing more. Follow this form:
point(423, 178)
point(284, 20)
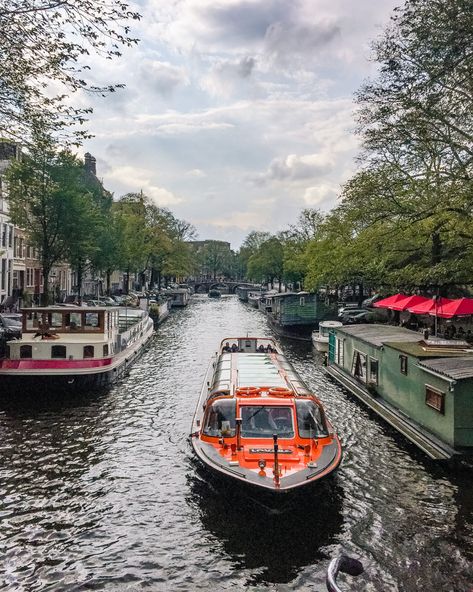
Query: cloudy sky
point(236, 113)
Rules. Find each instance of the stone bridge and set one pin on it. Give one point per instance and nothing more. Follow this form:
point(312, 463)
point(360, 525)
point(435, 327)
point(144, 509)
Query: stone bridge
point(226, 286)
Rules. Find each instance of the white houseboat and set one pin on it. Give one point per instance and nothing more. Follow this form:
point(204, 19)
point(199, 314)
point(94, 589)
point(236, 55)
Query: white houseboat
point(75, 348)
point(320, 337)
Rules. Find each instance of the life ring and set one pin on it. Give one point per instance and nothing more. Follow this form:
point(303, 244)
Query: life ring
point(280, 391)
point(248, 391)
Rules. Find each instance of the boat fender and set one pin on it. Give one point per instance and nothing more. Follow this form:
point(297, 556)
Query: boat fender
point(248, 391)
point(280, 391)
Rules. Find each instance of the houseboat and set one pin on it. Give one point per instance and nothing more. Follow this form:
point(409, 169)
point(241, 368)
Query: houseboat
point(159, 308)
point(74, 347)
point(254, 298)
point(258, 424)
point(422, 387)
point(243, 291)
point(320, 337)
point(178, 296)
point(297, 314)
point(214, 293)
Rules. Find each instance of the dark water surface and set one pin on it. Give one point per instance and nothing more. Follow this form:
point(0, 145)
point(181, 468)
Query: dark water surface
point(101, 492)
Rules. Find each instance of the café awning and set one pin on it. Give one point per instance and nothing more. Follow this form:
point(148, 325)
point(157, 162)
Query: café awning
point(429, 306)
point(388, 302)
point(463, 307)
point(408, 302)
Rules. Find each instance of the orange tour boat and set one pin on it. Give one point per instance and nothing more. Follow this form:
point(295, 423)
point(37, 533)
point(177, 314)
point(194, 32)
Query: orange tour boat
point(257, 422)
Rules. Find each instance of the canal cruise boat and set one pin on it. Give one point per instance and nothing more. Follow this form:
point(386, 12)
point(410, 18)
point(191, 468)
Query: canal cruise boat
point(256, 422)
point(75, 347)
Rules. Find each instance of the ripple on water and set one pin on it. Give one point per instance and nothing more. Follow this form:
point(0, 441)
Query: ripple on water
point(101, 491)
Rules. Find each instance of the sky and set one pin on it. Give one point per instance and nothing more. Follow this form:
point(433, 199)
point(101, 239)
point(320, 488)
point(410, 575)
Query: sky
point(236, 114)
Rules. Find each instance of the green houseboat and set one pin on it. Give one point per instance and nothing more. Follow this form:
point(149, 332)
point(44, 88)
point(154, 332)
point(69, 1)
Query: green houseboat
point(424, 388)
point(297, 314)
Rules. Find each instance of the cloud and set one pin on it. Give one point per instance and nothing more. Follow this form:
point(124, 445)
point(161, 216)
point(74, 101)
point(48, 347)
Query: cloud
point(197, 173)
point(133, 179)
point(296, 168)
point(163, 77)
point(286, 41)
point(320, 194)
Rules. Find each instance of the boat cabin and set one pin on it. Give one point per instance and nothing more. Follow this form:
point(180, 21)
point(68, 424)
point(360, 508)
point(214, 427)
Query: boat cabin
point(420, 386)
point(75, 333)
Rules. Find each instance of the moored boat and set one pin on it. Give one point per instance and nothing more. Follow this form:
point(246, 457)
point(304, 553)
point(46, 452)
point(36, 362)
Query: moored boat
point(75, 348)
point(320, 338)
point(214, 293)
point(256, 422)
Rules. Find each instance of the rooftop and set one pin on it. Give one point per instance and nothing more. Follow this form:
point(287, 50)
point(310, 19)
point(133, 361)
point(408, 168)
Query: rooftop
point(378, 335)
point(421, 349)
point(456, 368)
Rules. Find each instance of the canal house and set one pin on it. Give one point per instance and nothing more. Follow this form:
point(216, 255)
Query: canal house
point(424, 388)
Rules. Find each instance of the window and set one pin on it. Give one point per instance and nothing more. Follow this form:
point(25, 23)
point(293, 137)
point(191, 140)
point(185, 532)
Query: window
point(358, 368)
point(105, 350)
point(373, 371)
point(89, 351)
point(220, 418)
point(263, 421)
point(309, 420)
point(302, 301)
point(435, 399)
point(403, 360)
point(26, 351)
point(58, 351)
point(339, 345)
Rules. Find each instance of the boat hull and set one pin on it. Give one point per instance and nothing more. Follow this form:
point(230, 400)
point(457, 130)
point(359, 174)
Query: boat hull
point(40, 376)
point(252, 482)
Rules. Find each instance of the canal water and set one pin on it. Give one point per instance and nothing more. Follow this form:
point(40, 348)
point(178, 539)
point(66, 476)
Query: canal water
point(101, 491)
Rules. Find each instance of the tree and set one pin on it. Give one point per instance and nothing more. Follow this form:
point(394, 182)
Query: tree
point(250, 245)
point(46, 41)
point(49, 199)
point(268, 262)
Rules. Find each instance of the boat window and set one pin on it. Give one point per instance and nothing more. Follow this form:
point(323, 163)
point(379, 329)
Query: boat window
point(58, 351)
point(435, 399)
point(220, 418)
point(358, 368)
point(403, 364)
point(26, 351)
point(56, 320)
point(263, 421)
point(373, 371)
point(105, 350)
point(309, 419)
point(74, 320)
point(92, 319)
point(89, 351)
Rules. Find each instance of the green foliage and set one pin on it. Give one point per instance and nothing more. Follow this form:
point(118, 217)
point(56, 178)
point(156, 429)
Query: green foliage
point(43, 42)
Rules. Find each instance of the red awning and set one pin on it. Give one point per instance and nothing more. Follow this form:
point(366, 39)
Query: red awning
point(429, 306)
point(408, 302)
point(388, 302)
point(463, 307)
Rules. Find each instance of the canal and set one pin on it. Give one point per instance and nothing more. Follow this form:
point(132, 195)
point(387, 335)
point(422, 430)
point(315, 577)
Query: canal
point(101, 491)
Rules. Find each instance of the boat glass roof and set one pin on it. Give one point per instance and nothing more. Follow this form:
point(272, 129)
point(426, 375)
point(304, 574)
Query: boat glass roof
point(258, 370)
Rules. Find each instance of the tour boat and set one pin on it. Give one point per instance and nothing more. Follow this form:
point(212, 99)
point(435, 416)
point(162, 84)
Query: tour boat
point(320, 337)
point(257, 422)
point(75, 347)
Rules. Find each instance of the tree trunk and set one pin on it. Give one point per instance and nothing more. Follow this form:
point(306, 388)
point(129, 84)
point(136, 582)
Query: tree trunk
point(45, 296)
point(127, 281)
point(80, 276)
point(108, 276)
point(436, 252)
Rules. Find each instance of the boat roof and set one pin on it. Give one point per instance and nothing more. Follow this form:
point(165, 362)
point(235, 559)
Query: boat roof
point(378, 335)
point(256, 369)
point(457, 368)
point(432, 349)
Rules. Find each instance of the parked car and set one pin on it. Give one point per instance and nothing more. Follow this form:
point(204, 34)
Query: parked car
point(350, 312)
point(370, 301)
point(364, 316)
point(347, 306)
point(10, 328)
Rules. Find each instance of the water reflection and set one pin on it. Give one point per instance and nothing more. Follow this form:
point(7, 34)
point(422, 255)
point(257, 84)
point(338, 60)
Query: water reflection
point(272, 540)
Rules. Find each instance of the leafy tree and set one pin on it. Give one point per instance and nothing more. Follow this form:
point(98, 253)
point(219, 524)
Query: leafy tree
point(250, 245)
point(45, 41)
point(267, 263)
point(49, 199)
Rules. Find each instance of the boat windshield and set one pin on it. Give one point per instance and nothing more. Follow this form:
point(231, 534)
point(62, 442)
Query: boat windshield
point(220, 419)
point(309, 419)
point(263, 421)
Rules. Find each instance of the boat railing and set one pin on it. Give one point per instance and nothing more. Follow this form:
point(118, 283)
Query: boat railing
point(345, 564)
